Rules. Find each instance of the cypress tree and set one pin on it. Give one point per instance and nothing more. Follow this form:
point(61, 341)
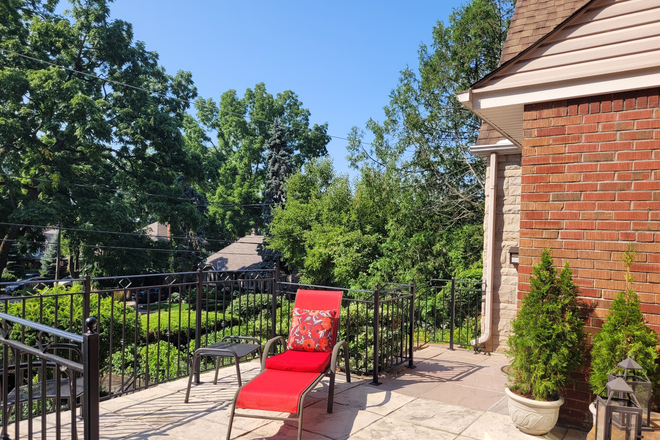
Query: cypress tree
point(280, 166)
point(624, 334)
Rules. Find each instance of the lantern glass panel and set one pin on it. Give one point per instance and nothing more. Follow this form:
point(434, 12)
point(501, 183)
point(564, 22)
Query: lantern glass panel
point(601, 418)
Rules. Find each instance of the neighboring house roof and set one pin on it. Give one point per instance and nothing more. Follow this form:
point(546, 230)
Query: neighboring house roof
point(605, 46)
point(531, 21)
point(239, 255)
point(158, 231)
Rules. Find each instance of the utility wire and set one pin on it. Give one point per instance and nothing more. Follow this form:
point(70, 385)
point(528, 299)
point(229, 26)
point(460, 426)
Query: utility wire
point(134, 234)
point(190, 103)
point(126, 248)
point(89, 75)
point(128, 191)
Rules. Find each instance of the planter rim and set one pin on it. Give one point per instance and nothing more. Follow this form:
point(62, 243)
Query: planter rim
point(534, 403)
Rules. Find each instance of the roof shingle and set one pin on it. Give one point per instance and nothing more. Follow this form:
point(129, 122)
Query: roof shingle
point(532, 20)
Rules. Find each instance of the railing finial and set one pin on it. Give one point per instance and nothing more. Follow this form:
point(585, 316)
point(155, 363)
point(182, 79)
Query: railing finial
point(90, 324)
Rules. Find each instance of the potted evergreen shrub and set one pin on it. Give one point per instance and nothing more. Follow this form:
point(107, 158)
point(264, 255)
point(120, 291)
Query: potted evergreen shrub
point(546, 345)
point(624, 333)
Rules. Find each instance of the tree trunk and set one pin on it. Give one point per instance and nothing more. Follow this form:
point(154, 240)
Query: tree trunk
point(5, 246)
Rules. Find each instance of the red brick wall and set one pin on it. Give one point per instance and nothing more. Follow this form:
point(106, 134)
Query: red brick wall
point(591, 185)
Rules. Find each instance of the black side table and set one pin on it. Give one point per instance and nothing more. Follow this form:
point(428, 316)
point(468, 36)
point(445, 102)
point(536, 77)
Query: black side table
point(225, 348)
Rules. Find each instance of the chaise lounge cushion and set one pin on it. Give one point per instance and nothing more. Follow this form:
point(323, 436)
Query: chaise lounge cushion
point(275, 390)
point(300, 361)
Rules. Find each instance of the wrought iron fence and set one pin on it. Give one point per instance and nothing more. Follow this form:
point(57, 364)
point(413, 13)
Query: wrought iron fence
point(150, 325)
point(448, 311)
point(37, 380)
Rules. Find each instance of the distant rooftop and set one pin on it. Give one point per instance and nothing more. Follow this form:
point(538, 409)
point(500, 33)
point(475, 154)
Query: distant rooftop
point(239, 255)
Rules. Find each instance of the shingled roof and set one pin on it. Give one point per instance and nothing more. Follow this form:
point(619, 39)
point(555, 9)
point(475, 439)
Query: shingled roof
point(532, 20)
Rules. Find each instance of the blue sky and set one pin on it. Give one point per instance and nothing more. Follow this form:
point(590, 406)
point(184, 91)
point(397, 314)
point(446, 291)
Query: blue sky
point(342, 58)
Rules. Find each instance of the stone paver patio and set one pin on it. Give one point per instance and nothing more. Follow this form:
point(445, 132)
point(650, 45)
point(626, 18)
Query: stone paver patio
point(450, 395)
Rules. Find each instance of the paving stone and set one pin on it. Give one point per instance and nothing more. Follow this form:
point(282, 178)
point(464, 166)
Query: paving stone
point(431, 414)
point(372, 398)
point(469, 397)
point(493, 426)
point(501, 407)
point(339, 425)
point(388, 429)
point(409, 386)
point(280, 430)
point(490, 382)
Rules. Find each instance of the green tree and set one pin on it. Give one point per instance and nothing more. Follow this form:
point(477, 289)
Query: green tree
point(426, 130)
point(279, 160)
point(376, 230)
point(547, 338)
point(624, 334)
point(64, 134)
point(231, 138)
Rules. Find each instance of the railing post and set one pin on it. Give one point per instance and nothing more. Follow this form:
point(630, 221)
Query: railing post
point(198, 321)
point(453, 313)
point(376, 335)
point(91, 380)
point(411, 333)
point(87, 296)
point(276, 277)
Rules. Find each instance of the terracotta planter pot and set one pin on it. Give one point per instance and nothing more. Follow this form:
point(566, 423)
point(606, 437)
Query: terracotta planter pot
point(533, 416)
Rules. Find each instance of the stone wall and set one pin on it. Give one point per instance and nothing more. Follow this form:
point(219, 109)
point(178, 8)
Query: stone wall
point(507, 225)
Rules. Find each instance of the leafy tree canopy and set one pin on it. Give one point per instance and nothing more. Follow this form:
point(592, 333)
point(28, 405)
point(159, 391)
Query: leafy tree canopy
point(426, 131)
point(232, 137)
point(377, 230)
point(62, 131)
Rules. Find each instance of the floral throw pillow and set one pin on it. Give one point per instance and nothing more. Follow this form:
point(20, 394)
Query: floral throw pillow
point(311, 330)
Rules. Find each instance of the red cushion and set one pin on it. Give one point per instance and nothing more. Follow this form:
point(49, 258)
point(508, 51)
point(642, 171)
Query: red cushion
point(312, 330)
point(275, 390)
point(301, 361)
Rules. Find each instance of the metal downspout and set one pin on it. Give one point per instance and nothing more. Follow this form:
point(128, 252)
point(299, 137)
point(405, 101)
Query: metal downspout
point(490, 254)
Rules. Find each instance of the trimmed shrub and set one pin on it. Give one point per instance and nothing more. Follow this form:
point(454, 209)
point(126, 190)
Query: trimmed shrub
point(547, 338)
point(624, 334)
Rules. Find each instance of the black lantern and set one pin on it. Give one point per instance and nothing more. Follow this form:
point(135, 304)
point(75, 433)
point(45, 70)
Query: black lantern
point(633, 374)
point(620, 416)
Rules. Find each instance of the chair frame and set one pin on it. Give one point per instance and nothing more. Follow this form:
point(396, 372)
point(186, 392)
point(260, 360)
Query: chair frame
point(222, 352)
point(330, 371)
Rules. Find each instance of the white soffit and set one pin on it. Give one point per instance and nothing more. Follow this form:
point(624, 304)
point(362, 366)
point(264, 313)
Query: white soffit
point(612, 46)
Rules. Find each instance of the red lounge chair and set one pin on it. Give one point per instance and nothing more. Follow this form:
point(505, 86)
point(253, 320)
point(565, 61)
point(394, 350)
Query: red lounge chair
point(287, 378)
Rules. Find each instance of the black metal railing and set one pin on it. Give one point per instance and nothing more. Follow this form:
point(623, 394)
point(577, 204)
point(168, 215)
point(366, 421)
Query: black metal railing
point(448, 311)
point(38, 379)
point(150, 325)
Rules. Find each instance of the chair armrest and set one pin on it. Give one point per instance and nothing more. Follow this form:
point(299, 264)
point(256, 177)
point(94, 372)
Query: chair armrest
point(335, 354)
point(244, 338)
point(267, 349)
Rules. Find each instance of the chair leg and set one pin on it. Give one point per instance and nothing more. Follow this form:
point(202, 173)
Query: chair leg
point(217, 370)
point(192, 371)
point(231, 417)
point(300, 421)
point(331, 391)
point(238, 371)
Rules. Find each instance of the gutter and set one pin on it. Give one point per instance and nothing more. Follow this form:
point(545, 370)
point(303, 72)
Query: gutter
point(490, 255)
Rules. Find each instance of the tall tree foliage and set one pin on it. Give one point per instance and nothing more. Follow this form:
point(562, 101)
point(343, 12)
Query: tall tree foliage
point(232, 136)
point(280, 165)
point(426, 131)
point(62, 131)
point(377, 230)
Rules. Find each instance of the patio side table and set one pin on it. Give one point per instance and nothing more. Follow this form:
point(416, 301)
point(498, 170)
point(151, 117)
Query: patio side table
point(227, 347)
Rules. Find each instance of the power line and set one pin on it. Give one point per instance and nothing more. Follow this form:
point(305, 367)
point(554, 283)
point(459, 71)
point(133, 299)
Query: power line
point(111, 81)
point(126, 248)
point(128, 191)
point(135, 234)
point(89, 75)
